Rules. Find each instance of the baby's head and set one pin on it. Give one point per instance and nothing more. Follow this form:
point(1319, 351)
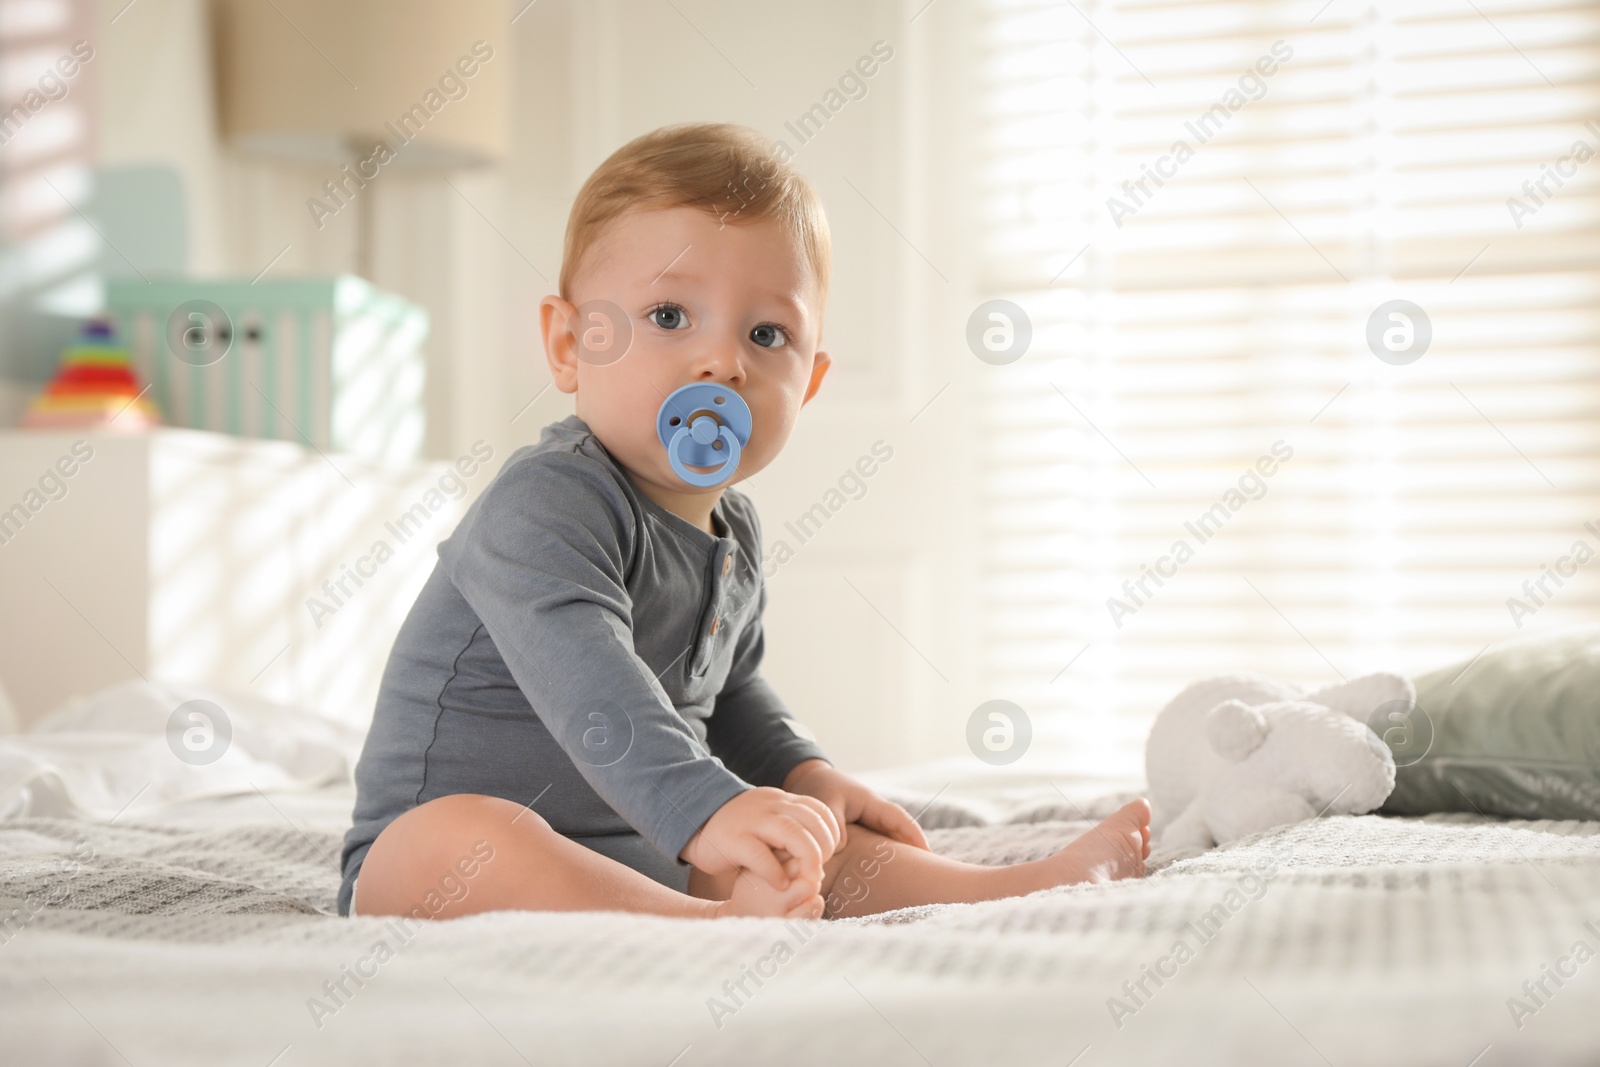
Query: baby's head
point(715, 255)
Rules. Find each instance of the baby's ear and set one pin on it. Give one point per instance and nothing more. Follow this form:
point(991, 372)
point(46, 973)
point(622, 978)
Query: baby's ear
point(557, 320)
point(819, 368)
point(1235, 729)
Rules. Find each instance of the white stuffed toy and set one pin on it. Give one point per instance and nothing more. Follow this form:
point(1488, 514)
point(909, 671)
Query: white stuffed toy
point(1241, 753)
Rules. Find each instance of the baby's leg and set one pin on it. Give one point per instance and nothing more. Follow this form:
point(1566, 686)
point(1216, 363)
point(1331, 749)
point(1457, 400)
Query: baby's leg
point(871, 873)
point(419, 866)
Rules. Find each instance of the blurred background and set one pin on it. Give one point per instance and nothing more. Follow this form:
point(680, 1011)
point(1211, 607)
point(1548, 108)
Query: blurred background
point(1185, 337)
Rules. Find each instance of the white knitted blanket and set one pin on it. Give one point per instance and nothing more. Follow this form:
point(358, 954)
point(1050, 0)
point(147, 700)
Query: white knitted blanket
point(1356, 940)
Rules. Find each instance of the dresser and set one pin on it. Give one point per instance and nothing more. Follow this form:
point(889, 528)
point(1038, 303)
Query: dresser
point(266, 567)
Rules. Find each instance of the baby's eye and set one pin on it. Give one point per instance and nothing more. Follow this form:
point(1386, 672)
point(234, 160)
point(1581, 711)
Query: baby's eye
point(768, 335)
point(668, 316)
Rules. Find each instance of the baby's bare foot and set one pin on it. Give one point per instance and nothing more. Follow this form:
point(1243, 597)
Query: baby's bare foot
point(1117, 848)
point(751, 896)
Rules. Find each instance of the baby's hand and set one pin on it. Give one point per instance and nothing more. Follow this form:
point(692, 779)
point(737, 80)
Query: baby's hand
point(850, 801)
point(776, 836)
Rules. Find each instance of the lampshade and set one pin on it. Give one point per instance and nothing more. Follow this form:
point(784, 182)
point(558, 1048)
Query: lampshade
point(324, 80)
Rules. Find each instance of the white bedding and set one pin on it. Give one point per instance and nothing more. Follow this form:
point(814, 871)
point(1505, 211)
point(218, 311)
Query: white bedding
point(108, 754)
point(199, 933)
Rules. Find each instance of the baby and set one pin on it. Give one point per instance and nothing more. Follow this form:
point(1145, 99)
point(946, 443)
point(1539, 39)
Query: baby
point(573, 715)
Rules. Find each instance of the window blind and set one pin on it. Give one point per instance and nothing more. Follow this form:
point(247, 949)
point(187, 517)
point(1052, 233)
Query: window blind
point(1200, 206)
point(47, 248)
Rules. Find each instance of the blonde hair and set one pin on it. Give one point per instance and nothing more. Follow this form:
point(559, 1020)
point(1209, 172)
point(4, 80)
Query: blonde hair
point(729, 171)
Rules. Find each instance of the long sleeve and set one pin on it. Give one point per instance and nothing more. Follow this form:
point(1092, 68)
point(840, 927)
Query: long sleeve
point(750, 728)
point(542, 558)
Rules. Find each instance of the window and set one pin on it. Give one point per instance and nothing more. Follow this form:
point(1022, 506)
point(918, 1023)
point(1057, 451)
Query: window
point(47, 250)
point(1204, 208)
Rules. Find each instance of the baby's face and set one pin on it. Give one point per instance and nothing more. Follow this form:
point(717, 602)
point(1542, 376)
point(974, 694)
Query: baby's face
point(729, 303)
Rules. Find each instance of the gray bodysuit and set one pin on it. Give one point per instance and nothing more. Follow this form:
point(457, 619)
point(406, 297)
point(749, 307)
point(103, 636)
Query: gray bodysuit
point(581, 649)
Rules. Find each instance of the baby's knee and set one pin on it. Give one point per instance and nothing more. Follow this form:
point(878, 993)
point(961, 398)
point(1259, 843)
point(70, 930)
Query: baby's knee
point(434, 853)
point(475, 812)
point(447, 823)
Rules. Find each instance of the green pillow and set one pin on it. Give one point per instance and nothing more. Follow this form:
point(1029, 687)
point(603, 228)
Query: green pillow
point(1515, 732)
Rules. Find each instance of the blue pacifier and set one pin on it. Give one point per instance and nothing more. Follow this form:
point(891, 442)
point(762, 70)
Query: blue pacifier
point(704, 425)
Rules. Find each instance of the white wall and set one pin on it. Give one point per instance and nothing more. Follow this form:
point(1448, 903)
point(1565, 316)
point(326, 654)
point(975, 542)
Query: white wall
point(871, 625)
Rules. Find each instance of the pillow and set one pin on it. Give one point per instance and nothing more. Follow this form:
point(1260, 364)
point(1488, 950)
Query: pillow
point(1515, 732)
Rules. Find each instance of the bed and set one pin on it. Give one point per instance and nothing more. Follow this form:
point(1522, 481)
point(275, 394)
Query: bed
point(197, 925)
